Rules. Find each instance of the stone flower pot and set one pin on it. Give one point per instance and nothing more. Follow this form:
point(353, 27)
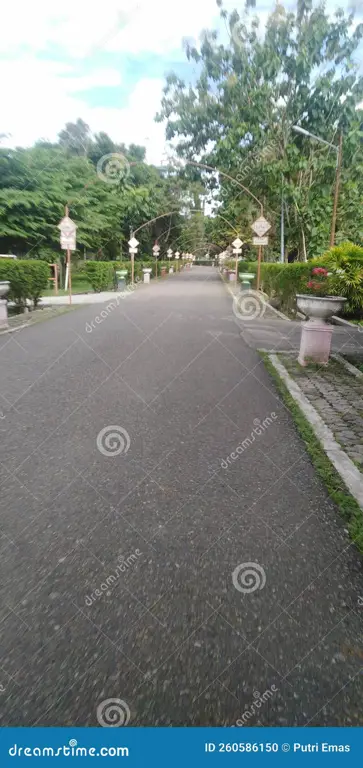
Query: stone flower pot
point(316, 334)
point(4, 288)
point(319, 309)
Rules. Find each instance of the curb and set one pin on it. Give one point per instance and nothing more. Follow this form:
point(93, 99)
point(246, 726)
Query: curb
point(351, 368)
point(13, 330)
point(347, 470)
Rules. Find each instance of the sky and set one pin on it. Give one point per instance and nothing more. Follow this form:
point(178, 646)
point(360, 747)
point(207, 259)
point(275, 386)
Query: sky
point(104, 62)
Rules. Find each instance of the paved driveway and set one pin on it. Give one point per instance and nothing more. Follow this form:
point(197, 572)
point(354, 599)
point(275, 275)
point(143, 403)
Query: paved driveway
point(164, 538)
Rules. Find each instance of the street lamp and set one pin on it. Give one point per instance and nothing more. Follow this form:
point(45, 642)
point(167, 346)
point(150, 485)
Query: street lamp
point(156, 251)
point(237, 249)
point(339, 151)
point(133, 243)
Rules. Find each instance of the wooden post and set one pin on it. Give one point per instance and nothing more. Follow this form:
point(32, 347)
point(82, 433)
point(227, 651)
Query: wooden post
point(259, 267)
point(336, 191)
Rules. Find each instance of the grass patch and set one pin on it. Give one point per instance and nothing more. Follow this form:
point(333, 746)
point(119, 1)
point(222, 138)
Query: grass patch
point(347, 505)
point(80, 285)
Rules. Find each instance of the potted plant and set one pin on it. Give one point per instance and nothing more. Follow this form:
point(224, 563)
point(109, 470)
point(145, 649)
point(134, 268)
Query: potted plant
point(316, 302)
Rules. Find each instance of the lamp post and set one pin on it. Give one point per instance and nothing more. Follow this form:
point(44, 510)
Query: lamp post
point(339, 151)
point(133, 243)
point(156, 251)
point(237, 249)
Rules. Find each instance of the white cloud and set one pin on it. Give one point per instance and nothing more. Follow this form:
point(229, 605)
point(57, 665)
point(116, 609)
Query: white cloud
point(41, 97)
point(80, 27)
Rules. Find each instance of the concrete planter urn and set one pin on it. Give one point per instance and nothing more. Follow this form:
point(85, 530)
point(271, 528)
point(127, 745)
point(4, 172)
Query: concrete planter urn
point(4, 289)
point(316, 335)
point(246, 280)
point(147, 272)
point(319, 308)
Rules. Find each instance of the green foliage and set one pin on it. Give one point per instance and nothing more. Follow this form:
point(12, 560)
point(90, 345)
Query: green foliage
point(36, 184)
point(346, 264)
point(100, 274)
point(28, 279)
point(238, 117)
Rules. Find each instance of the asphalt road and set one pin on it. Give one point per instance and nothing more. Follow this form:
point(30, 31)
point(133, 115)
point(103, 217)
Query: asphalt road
point(137, 563)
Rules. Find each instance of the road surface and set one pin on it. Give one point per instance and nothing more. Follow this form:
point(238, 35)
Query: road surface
point(143, 557)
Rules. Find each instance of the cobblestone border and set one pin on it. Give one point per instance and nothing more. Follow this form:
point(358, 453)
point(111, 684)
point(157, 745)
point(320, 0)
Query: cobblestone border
point(347, 470)
point(351, 368)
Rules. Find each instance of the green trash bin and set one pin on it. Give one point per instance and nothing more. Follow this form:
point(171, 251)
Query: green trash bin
point(121, 275)
point(246, 280)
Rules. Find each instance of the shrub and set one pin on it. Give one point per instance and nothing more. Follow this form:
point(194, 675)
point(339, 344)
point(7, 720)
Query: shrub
point(345, 262)
point(28, 279)
point(101, 274)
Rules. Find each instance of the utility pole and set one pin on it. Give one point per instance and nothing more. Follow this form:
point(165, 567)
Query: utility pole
point(336, 191)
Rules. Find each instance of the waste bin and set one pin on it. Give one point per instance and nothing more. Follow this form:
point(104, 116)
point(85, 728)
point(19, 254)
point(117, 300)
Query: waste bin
point(121, 275)
point(246, 280)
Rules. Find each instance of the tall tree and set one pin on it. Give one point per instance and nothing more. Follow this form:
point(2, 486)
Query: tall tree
point(250, 92)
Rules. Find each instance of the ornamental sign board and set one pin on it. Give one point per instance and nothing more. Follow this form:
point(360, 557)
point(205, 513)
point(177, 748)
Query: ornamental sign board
point(260, 240)
point(68, 243)
point(261, 226)
point(67, 234)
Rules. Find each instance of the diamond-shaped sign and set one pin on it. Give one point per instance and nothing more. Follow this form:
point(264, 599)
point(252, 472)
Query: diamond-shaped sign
point(261, 226)
point(237, 243)
point(67, 227)
point(133, 243)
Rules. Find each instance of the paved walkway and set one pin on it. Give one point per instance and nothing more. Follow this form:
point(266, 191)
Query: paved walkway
point(164, 538)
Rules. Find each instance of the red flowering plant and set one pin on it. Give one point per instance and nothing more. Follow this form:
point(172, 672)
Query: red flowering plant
point(318, 285)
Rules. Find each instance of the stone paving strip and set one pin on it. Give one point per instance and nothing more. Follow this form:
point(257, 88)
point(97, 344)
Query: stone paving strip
point(337, 396)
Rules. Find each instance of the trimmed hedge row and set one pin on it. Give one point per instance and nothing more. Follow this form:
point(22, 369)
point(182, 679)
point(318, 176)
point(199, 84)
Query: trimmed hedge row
point(28, 279)
point(282, 282)
point(102, 274)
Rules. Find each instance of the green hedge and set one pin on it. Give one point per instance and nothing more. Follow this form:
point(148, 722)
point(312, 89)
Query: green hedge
point(282, 282)
point(28, 279)
point(100, 274)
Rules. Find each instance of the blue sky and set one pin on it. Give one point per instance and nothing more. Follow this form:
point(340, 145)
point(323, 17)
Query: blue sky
point(105, 62)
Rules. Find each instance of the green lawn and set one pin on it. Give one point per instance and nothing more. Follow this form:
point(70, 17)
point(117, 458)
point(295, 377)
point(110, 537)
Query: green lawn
point(79, 285)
